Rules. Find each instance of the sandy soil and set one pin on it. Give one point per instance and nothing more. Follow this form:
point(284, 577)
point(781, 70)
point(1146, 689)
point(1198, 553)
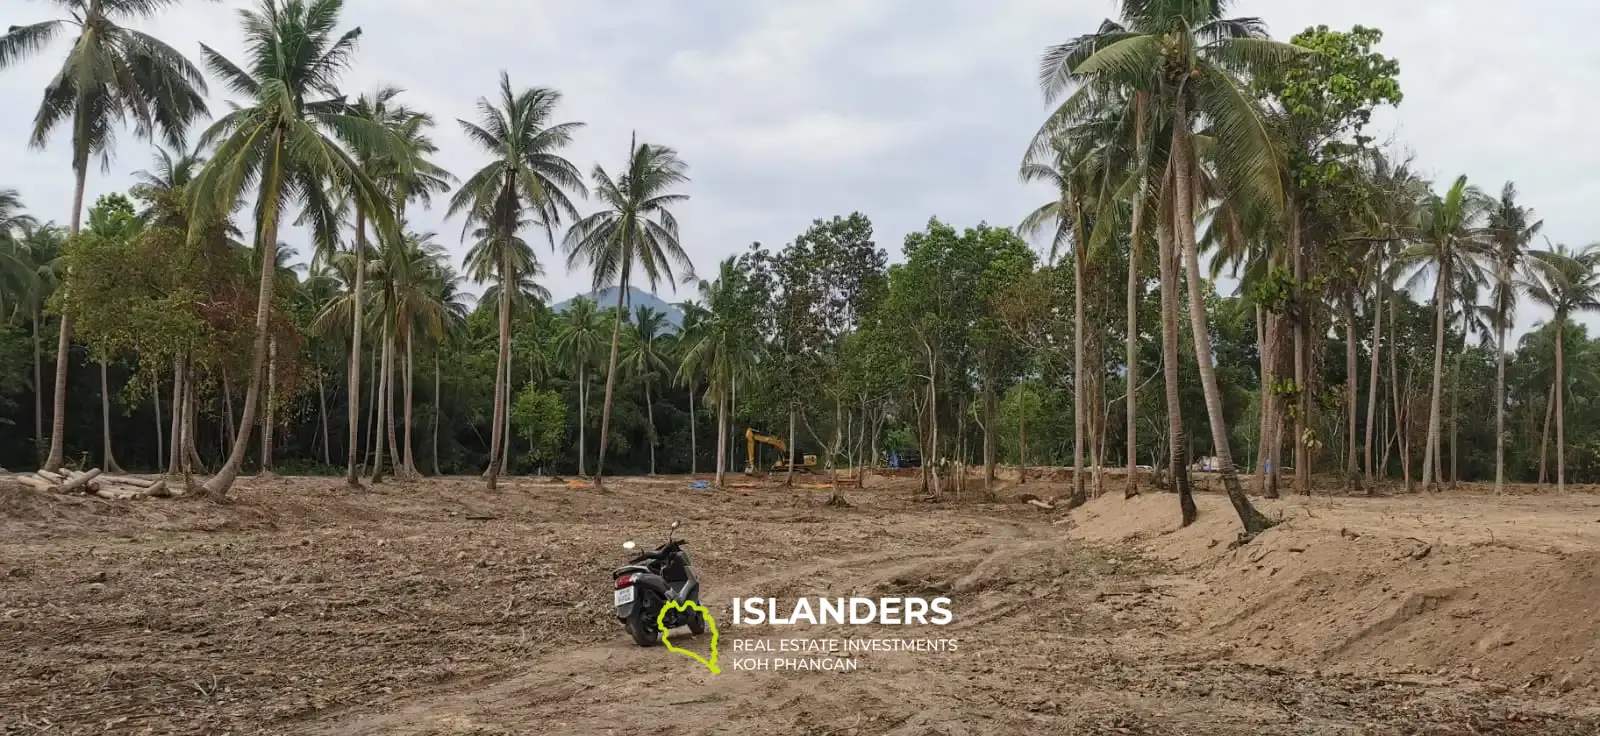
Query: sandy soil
point(438, 608)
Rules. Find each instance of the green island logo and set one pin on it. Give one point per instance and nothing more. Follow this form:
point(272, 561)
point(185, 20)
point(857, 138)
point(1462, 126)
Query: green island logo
point(710, 624)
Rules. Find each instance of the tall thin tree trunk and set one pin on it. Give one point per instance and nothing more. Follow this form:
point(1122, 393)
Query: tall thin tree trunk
point(1022, 441)
point(1302, 345)
point(694, 451)
point(438, 402)
point(1134, 282)
point(1254, 521)
point(1373, 388)
point(505, 437)
point(1430, 459)
point(322, 404)
point(390, 356)
point(269, 416)
point(1176, 443)
point(410, 457)
point(220, 483)
point(722, 438)
point(1455, 415)
point(650, 416)
point(180, 393)
point(1544, 436)
point(789, 477)
point(370, 447)
point(583, 415)
point(1561, 404)
point(155, 401)
point(1351, 473)
point(58, 419)
point(38, 390)
point(352, 474)
point(232, 430)
point(988, 435)
point(379, 404)
point(611, 382)
point(1500, 388)
point(1079, 409)
point(501, 389)
point(105, 420)
point(1271, 415)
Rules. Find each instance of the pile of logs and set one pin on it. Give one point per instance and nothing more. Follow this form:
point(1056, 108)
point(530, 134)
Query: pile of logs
point(95, 483)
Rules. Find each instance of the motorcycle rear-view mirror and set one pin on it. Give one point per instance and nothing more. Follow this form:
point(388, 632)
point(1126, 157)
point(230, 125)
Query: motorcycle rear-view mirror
point(629, 544)
point(675, 524)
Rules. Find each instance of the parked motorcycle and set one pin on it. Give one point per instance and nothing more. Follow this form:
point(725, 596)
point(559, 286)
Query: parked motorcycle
point(648, 582)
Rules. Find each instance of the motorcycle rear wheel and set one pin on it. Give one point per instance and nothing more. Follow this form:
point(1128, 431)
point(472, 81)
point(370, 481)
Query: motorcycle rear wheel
point(641, 623)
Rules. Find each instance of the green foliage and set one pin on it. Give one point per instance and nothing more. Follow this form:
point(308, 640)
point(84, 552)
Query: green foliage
point(541, 417)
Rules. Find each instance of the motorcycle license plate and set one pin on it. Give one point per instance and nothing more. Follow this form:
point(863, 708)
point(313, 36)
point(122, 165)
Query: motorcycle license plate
point(624, 596)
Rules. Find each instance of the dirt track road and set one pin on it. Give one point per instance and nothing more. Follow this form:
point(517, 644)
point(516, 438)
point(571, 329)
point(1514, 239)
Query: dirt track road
point(301, 610)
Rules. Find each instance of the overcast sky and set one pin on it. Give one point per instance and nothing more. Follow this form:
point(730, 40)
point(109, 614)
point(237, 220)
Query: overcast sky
point(902, 109)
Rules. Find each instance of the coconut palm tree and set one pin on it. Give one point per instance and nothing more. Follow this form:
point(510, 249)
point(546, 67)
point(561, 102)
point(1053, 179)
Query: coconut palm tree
point(1511, 228)
point(694, 315)
point(1566, 282)
point(527, 180)
point(719, 346)
point(636, 228)
point(111, 75)
point(1450, 244)
point(284, 143)
point(1196, 62)
point(577, 345)
point(645, 356)
point(408, 271)
point(444, 286)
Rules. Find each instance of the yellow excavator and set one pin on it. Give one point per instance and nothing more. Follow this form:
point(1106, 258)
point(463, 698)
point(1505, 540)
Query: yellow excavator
point(752, 437)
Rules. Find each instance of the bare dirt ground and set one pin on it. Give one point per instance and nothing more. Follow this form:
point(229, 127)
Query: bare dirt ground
point(307, 609)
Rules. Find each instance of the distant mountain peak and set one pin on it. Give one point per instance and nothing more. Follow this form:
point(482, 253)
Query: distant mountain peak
point(606, 298)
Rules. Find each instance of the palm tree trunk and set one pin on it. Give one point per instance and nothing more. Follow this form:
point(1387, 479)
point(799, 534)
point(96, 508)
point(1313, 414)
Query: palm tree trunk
point(1544, 436)
point(379, 400)
point(390, 350)
point(220, 483)
point(1176, 443)
point(180, 393)
point(611, 383)
point(1254, 521)
point(505, 436)
point(1561, 404)
point(1079, 409)
point(38, 390)
point(1302, 344)
point(583, 416)
point(1372, 372)
point(722, 439)
point(322, 403)
point(1352, 474)
point(232, 431)
point(411, 462)
point(694, 451)
point(1022, 442)
point(437, 403)
point(1455, 415)
point(58, 420)
point(1430, 457)
point(650, 416)
point(497, 433)
point(155, 401)
point(789, 477)
point(369, 449)
point(1272, 332)
point(269, 415)
point(105, 420)
point(352, 473)
point(1134, 282)
point(1500, 390)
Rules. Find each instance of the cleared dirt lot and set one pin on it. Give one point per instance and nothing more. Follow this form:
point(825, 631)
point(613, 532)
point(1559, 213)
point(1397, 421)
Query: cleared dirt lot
point(304, 608)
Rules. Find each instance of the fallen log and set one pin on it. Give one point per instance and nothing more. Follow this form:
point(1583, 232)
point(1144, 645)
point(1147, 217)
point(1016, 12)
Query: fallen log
point(1041, 504)
point(35, 482)
point(158, 489)
point(80, 480)
point(53, 477)
point(116, 494)
point(128, 480)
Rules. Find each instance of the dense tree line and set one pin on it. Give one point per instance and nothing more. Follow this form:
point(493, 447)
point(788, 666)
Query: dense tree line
point(172, 332)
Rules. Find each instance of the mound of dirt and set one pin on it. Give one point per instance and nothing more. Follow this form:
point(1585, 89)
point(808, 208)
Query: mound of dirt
point(1501, 590)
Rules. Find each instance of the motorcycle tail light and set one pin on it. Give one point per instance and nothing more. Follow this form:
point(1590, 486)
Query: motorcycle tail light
point(625, 581)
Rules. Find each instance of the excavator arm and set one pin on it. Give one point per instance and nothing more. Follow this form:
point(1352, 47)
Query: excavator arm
point(751, 437)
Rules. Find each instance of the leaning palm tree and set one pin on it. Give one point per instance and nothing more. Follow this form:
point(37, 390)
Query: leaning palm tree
point(636, 228)
point(284, 145)
point(1196, 62)
point(112, 75)
point(526, 180)
point(577, 344)
point(1510, 230)
point(645, 358)
point(1567, 283)
point(1450, 244)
